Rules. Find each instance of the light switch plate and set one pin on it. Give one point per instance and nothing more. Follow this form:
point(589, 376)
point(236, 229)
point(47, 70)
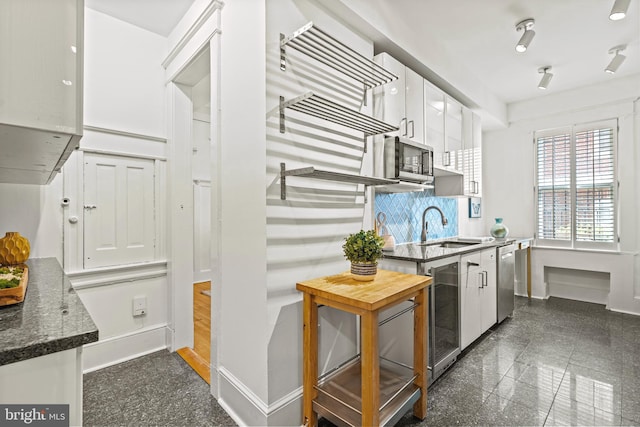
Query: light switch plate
point(139, 305)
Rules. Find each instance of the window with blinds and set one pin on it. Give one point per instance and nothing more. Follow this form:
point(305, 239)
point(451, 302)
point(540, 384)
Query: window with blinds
point(576, 185)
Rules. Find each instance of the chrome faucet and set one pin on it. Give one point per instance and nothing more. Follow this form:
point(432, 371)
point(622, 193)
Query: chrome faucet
point(425, 225)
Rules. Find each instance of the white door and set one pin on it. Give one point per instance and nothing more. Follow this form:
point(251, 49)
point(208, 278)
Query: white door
point(201, 231)
point(119, 215)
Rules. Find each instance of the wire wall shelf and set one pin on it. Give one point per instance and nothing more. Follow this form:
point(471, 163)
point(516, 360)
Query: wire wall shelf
point(317, 106)
point(312, 172)
point(324, 48)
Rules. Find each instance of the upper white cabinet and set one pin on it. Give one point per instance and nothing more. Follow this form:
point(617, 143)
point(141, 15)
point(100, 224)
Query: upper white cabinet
point(434, 105)
point(466, 159)
point(41, 52)
point(453, 135)
point(472, 154)
point(401, 102)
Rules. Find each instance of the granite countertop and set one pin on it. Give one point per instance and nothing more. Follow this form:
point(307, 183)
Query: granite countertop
point(51, 318)
point(431, 251)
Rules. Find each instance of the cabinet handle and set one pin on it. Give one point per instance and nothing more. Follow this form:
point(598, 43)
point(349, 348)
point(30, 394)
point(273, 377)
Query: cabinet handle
point(413, 130)
point(481, 274)
point(404, 119)
point(485, 279)
point(446, 158)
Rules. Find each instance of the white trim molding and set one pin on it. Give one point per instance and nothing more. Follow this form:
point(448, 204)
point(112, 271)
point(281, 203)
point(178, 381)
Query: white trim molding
point(117, 274)
point(113, 350)
point(246, 408)
point(125, 133)
point(192, 31)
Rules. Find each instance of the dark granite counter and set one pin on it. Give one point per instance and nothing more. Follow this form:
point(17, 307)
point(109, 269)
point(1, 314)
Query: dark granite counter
point(51, 318)
point(431, 251)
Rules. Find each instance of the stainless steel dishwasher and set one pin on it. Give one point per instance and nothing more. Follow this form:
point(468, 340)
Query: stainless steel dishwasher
point(506, 269)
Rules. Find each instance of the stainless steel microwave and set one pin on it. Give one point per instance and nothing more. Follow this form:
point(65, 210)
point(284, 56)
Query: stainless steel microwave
point(400, 158)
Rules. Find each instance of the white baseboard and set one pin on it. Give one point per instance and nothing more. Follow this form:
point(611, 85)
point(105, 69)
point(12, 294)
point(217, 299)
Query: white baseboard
point(246, 408)
point(518, 294)
point(118, 349)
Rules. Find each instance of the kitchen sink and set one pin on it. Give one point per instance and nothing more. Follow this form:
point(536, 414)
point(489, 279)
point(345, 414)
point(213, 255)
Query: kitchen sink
point(449, 245)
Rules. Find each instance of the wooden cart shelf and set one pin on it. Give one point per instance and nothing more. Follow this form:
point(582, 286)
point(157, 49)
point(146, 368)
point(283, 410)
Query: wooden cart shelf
point(340, 402)
point(370, 390)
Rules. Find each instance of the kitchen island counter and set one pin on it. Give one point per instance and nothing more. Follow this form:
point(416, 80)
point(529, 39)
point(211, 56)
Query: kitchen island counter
point(51, 318)
point(41, 343)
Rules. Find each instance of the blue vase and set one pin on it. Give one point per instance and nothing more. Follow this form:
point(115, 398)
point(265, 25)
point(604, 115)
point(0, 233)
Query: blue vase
point(499, 230)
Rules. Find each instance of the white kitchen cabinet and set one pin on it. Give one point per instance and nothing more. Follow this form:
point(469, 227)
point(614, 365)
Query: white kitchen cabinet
point(40, 87)
point(468, 161)
point(472, 154)
point(401, 102)
point(488, 294)
point(453, 135)
point(478, 295)
point(434, 102)
point(23, 383)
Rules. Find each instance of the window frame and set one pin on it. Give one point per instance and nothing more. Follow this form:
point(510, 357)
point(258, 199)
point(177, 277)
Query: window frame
point(572, 242)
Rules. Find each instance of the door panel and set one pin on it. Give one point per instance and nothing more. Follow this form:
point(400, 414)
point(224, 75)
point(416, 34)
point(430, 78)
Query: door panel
point(119, 216)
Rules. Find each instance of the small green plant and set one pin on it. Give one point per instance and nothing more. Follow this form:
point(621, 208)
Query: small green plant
point(363, 246)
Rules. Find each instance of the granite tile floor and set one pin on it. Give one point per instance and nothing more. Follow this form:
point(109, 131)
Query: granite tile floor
point(159, 389)
point(555, 362)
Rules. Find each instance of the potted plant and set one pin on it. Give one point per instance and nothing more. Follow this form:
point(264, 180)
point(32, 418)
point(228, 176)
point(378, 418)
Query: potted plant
point(363, 249)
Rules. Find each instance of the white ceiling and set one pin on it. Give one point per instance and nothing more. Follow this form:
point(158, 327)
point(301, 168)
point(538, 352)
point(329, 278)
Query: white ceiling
point(572, 36)
point(158, 16)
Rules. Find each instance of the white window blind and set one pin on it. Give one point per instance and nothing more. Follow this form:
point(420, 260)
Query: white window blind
point(595, 179)
point(576, 186)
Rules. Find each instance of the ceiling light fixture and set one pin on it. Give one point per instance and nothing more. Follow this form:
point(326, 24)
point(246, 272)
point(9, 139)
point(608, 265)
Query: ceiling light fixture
point(619, 10)
point(527, 36)
point(546, 77)
point(617, 60)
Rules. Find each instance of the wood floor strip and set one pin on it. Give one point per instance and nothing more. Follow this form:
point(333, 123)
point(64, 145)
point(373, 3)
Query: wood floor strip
point(196, 362)
point(199, 357)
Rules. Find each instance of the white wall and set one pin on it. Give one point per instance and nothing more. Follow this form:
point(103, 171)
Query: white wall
point(35, 212)
point(124, 104)
point(508, 165)
point(306, 231)
point(242, 211)
point(124, 78)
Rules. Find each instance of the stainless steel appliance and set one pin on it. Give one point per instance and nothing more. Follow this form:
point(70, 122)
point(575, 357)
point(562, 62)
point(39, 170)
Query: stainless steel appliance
point(400, 158)
point(506, 280)
point(444, 319)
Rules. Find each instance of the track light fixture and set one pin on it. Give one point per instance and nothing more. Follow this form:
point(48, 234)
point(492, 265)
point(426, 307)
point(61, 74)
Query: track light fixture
point(619, 10)
point(546, 77)
point(617, 60)
point(527, 36)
